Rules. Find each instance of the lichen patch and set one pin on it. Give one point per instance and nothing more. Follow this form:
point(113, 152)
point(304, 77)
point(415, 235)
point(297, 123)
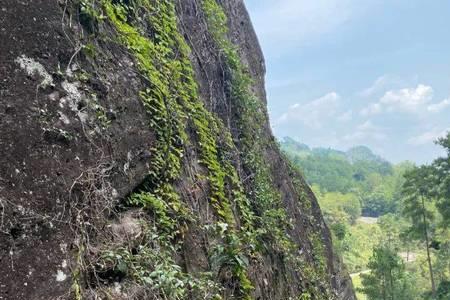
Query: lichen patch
point(73, 98)
point(60, 276)
point(34, 68)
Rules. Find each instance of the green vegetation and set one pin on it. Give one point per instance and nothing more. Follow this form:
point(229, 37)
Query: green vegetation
point(374, 181)
point(173, 104)
point(357, 285)
point(387, 278)
point(418, 208)
point(249, 219)
point(271, 235)
point(358, 244)
point(349, 185)
point(403, 253)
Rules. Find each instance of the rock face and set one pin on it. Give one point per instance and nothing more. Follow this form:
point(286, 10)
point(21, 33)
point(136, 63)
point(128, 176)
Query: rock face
point(137, 160)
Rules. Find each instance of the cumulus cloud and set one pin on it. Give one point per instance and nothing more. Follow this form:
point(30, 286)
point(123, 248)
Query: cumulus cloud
point(384, 83)
point(379, 84)
point(438, 107)
point(407, 100)
point(428, 137)
point(312, 114)
point(416, 100)
point(364, 132)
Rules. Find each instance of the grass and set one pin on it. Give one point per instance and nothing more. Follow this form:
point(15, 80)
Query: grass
point(361, 240)
point(357, 284)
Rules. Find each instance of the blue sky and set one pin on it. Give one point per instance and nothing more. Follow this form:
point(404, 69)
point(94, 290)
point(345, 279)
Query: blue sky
point(358, 72)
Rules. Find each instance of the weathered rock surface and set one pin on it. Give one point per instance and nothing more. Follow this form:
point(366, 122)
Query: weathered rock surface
point(75, 143)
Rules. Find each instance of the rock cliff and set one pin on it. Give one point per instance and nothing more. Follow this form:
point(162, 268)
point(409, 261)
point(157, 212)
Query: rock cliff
point(137, 160)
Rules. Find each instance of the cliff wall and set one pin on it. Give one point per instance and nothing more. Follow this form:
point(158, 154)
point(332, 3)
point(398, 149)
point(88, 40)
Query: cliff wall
point(137, 160)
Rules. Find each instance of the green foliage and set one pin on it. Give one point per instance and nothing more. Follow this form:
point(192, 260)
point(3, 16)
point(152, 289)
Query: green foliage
point(426, 199)
point(289, 145)
point(387, 278)
point(231, 256)
point(348, 184)
point(443, 291)
point(374, 181)
point(357, 286)
point(273, 224)
point(173, 104)
point(340, 230)
point(161, 99)
point(358, 244)
point(304, 296)
point(441, 245)
point(266, 198)
point(207, 131)
point(441, 181)
point(335, 171)
point(332, 173)
point(417, 202)
point(168, 214)
point(339, 208)
point(152, 266)
point(412, 206)
point(90, 13)
point(251, 218)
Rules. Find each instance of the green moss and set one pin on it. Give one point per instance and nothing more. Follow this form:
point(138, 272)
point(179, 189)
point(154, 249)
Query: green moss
point(305, 296)
point(89, 50)
point(172, 99)
point(177, 116)
point(319, 255)
point(205, 129)
point(273, 224)
point(167, 118)
point(173, 104)
point(76, 274)
point(253, 140)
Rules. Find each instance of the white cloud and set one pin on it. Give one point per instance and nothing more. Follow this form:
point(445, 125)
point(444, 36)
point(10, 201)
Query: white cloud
point(312, 114)
point(428, 137)
point(438, 107)
point(366, 132)
point(408, 100)
point(384, 83)
point(379, 84)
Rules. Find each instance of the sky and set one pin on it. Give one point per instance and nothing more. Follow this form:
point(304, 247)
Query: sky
point(342, 73)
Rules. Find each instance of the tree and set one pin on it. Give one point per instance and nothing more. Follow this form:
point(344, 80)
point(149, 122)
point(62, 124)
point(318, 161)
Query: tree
point(417, 191)
point(443, 291)
point(441, 168)
point(339, 208)
point(387, 279)
point(392, 226)
point(442, 264)
point(376, 204)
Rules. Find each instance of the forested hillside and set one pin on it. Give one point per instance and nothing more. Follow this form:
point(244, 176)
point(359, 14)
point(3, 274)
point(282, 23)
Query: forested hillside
point(358, 175)
point(389, 222)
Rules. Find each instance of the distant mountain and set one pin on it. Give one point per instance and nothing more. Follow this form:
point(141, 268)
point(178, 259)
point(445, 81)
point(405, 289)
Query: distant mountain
point(353, 155)
point(362, 153)
point(334, 170)
point(290, 144)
